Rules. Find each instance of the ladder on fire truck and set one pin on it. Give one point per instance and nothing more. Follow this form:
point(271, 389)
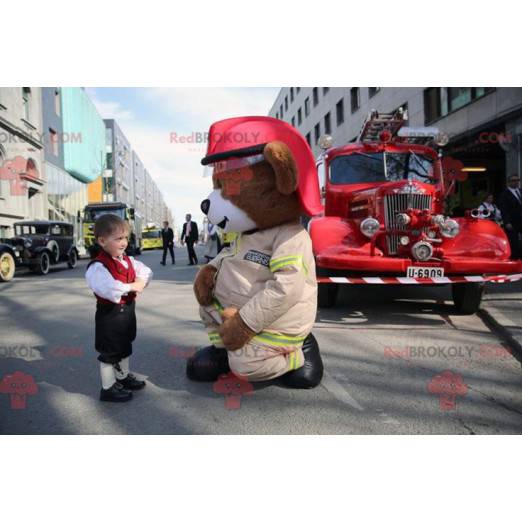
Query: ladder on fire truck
point(376, 123)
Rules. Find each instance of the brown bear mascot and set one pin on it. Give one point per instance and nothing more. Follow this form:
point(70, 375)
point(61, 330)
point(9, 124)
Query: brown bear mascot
point(258, 298)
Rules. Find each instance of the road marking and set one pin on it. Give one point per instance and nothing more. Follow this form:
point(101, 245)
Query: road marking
point(339, 392)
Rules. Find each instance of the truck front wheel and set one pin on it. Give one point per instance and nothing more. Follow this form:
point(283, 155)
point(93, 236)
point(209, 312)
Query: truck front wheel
point(467, 297)
point(327, 294)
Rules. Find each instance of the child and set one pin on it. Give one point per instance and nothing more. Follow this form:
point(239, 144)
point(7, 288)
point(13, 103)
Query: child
point(115, 280)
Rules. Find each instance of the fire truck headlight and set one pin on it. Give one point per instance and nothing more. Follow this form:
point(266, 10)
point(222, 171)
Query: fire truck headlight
point(403, 219)
point(438, 219)
point(450, 228)
point(369, 226)
point(404, 240)
point(422, 251)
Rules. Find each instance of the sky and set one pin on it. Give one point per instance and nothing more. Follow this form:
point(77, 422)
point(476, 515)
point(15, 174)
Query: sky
point(148, 116)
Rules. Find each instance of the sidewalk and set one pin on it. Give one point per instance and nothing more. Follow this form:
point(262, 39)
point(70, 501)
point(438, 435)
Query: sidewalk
point(502, 310)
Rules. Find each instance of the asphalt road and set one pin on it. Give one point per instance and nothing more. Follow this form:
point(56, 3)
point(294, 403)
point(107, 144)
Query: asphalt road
point(385, 349)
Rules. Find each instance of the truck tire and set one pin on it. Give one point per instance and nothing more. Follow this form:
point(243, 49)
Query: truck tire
point(327, 294)
point(7, 267)
point(42, 264)
point(467, 297)
point(72, 259)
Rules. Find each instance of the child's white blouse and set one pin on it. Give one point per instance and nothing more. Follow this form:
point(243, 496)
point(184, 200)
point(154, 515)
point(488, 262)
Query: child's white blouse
point(103, 284)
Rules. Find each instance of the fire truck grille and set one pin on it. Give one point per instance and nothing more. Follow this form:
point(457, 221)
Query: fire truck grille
point(395, 204)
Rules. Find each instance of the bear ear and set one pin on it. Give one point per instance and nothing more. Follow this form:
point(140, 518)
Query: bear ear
point(281, 160)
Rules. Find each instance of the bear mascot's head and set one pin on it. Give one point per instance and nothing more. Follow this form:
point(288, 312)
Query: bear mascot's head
point(263, 173)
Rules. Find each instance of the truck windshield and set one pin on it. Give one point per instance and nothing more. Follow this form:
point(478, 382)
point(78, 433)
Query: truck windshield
point(94, 213)
point(376, 167)
point(151, 234)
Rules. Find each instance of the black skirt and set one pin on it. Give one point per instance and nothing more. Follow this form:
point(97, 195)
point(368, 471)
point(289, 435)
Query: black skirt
point(115, 331)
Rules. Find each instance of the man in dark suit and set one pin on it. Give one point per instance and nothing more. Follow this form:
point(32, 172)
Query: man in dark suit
point(167, 235)
point(191, 235)
point(510, 203)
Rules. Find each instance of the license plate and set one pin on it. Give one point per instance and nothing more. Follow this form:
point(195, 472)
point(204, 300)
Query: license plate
point(424, 271)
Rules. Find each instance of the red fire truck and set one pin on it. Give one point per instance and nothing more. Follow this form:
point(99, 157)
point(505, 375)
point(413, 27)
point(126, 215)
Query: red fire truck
point(384, 220)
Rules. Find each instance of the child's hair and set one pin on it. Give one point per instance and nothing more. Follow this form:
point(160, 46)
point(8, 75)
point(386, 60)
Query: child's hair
point(108, 224)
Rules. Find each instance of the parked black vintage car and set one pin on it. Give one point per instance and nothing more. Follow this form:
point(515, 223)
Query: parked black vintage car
point(38, 245)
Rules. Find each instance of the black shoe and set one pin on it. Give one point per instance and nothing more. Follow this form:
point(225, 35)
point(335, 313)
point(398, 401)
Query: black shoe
point(311, 373)
point(207, 364)
point(190, 264)
point(116, 393)
point(173, 262)
point(131, 383)
point(162, 263)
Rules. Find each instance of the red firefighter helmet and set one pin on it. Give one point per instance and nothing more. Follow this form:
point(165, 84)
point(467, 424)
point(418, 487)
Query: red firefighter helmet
point(247, 136)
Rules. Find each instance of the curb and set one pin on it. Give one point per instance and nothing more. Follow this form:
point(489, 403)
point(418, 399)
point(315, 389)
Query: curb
point(503, 332)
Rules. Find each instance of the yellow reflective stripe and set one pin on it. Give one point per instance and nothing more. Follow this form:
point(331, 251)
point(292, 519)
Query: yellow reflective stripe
point(291, 361)
point(278, 339)
point(276, 260)
point(281, 262)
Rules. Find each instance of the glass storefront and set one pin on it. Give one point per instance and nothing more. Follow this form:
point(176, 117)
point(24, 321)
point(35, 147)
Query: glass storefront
point(66, 197)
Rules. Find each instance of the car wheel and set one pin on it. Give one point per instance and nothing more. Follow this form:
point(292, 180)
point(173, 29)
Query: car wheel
point(467, 297)
point(7, 267)
point(73, 259)
point(327, 295)
point(43, 262)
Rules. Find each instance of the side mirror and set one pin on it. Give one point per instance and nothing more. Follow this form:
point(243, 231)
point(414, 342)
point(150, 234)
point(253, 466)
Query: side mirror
point(131, 213)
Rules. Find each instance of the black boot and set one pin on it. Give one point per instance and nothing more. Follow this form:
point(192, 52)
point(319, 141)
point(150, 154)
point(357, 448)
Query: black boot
point(116, 393)
point(207, 364)
point(311, 373)
point(131, 383)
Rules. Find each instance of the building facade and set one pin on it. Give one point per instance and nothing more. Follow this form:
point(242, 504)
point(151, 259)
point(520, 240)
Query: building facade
point(66, 193)
point(22, 173)
point(484, 124)
point(117, 179)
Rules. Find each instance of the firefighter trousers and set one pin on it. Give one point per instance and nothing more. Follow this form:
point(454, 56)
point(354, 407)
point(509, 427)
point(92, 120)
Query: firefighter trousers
point(267, 356)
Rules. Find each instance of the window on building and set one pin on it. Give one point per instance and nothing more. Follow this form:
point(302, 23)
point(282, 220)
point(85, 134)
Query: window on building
point(355, 100)
point(315, 95)
point(57, 102)
point(286, 103)
point(26, 95)
point(307, 107)
point(277, 115)
point(339, 111)
point(458, 97)
point(309, 139)
point(325, 90)
point(299, 116)
point(372, 91)
point(293, 121)
point(297, 89)
point(327, 124)
point(53, 142)
point(317, 132)
point(431, 104)
point(291, 94)
point(281, 110)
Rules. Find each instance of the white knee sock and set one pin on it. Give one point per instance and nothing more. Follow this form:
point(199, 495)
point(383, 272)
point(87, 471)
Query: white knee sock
point(107, 375)
point(121, 369)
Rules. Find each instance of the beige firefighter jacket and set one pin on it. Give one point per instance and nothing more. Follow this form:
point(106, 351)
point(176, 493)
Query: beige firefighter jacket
point(269, 276)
